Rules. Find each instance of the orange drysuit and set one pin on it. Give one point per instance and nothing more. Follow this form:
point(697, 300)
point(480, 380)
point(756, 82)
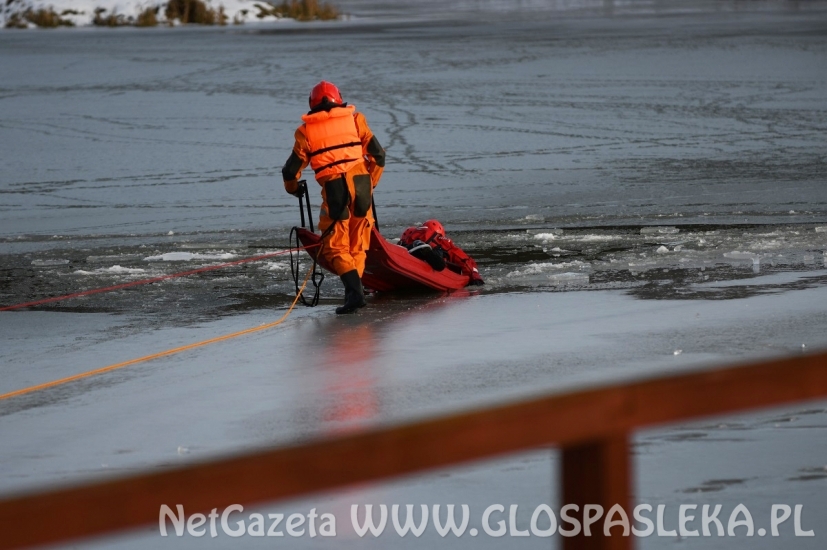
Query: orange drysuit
point(348, 162)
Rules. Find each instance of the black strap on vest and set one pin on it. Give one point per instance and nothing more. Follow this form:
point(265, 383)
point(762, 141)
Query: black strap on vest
point(332, 164)
point(334, 147)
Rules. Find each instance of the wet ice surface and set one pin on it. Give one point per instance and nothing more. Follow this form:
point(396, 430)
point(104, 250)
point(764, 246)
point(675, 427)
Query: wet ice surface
point(325, 375)
point(643, 194)
point(712, 117)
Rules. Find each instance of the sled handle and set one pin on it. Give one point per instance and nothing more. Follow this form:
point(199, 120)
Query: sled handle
point(304, 196)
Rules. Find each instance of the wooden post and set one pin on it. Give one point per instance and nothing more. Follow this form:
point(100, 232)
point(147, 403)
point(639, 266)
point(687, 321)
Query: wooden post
point(597, 472)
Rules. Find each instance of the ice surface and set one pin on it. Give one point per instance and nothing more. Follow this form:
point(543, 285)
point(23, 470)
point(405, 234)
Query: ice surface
point(188, 256)
point(659, 230)
point(598, 121)
point(291, 383)
point(113, 258)
point(534, 269)
point(115, 269)
point(738, 255)
point(276, 266)
point(766, 280)
point(48, 263)
point(545, 236)
point(569, 278)
point(529, 134)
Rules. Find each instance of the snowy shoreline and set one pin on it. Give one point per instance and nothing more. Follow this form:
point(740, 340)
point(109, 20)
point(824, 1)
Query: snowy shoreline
point(83, 13)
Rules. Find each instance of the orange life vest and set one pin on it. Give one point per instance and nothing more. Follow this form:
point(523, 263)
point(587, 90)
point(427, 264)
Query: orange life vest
point(333, 140)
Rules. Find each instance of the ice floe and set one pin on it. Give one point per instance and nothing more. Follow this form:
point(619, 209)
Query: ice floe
point(114, 270)
point(666, 230)
point(49, 263)
point(188, 256)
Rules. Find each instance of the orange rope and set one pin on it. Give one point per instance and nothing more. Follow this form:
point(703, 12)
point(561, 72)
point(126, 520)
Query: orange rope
point(173, 351)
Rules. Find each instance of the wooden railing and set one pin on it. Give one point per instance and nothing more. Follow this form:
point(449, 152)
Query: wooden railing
point(592, 427)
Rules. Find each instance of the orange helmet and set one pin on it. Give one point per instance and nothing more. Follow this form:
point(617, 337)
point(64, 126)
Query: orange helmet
point(435, 226)
point(322, 91)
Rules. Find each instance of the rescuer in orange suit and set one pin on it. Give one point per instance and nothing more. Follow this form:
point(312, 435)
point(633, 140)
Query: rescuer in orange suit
point(429, 243)
point(348, 161)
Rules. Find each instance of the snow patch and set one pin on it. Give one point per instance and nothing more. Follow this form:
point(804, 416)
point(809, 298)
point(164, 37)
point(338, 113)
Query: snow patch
point(545, 236)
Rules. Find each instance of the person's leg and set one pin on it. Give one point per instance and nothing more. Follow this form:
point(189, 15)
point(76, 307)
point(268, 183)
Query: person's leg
point(352, 274)
point(359, 224)
point(336, 249)
point(359, 238)
point(334, 218)
point(346, 205)
point(361, 221)
point(424, 252)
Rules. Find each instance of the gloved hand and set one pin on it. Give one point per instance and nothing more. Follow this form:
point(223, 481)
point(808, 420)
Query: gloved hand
point(301, 187)
point(476, 279)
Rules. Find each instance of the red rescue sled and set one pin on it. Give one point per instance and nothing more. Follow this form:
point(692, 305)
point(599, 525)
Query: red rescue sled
point(390, 267)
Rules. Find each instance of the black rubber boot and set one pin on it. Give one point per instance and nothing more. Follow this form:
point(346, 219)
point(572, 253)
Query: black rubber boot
point(354, 293)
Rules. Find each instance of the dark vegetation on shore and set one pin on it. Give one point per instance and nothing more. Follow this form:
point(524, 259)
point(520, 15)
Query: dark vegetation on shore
point(301, 10)
point(45, 18)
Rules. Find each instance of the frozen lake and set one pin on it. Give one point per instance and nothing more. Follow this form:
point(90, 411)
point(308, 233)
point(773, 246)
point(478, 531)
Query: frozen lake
point(574, 120)
point(643, 187)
